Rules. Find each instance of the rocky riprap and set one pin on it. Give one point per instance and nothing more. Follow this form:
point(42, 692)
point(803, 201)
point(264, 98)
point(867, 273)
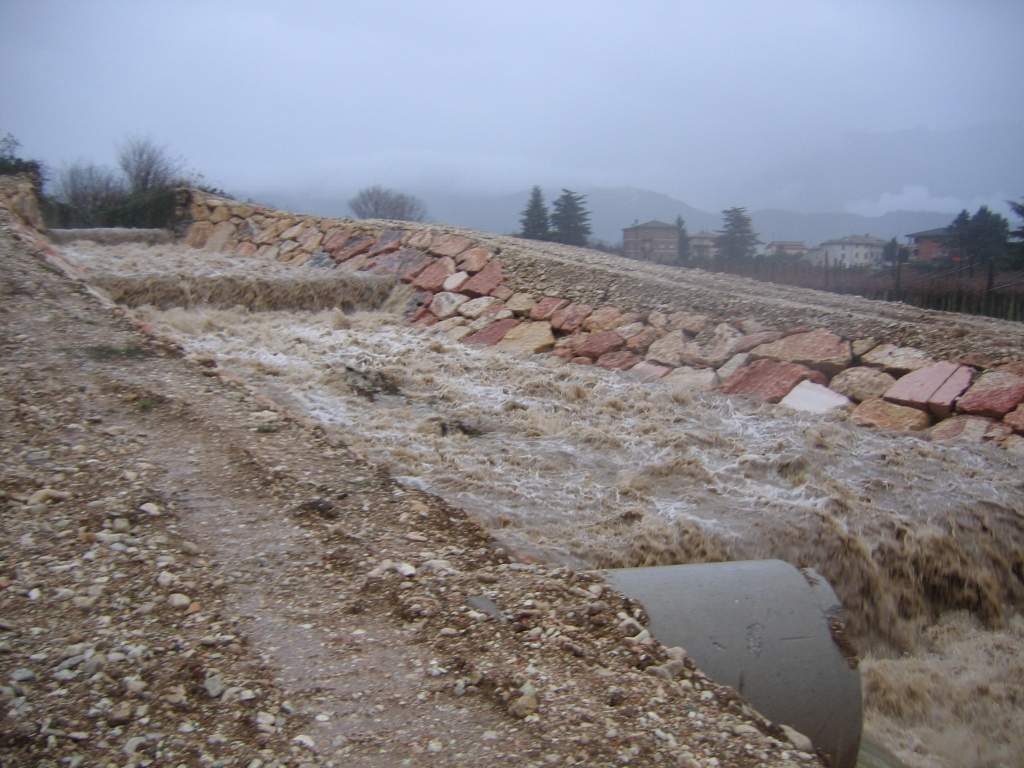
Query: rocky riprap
point(466, 291)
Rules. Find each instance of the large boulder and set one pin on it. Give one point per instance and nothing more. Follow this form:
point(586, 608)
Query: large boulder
point(880, 414)
point(974, 429)
point(820, 350)
point(445, 305)
point(994, 394)
point(814, 398)
point(899, 361)
point(449, 245)
point(713, 346)
point(473, 260)
point(546, 307)
point(486, 280)
point(768, 380)
point(688, 322)
point(597, 344)
point(433, 277)
point(521, 304)
point(493, 333)
point(570, 319)
point(530, 338)
point(752, 340)
point(476, 307)
point(640, 341)
point(943, 381)
point(668, 350)
point(861, 383)
point(604, 319)
point(688, 379)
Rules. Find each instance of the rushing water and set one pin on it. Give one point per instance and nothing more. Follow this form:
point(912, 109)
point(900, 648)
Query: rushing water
point(923, 542)
point(597, 468)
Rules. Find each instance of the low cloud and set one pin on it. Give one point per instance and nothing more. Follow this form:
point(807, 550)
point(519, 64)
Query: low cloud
point(915, 197)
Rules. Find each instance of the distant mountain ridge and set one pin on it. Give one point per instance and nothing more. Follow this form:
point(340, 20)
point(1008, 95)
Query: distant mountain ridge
point(613, 209)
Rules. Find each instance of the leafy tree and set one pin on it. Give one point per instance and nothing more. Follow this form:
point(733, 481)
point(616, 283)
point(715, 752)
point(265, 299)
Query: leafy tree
point(570, 220)
point(981, 238)
point(1017, 248)
point(990, 232)
point(534, 220)
point(684, 242)
point(376, 202)
point(894, 253)
point(959, 233)
point(147, 166)
point(736, 239)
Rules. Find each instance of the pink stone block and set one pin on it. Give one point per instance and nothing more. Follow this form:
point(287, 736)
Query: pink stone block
point(916, 388)
point(492, 334)
point(994, 394)
point(597, 344)
point(943, 402)
point(547, 307)
point(354, 248)
point(767, 380)
point(571, 317)
point(432, 278)
point(486, 280)
point(473, 260)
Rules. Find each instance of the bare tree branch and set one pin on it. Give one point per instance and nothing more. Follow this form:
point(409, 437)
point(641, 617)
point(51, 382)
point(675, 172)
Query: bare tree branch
point(376, 202)
point(146, 165)
point(88, 188)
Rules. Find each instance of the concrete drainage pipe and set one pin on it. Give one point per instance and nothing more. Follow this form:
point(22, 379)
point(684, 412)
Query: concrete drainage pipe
point(768, 630)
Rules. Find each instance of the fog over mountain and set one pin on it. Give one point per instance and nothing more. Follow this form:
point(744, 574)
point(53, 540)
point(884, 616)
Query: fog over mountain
point(874, 173)
point(808, 106)
point(884, 184)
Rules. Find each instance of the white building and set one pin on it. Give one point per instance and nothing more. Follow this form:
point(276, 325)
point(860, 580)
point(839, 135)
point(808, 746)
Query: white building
point(851, 251)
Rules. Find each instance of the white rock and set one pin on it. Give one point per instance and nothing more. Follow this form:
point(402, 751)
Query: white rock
point(814, 398)
point(800, 741)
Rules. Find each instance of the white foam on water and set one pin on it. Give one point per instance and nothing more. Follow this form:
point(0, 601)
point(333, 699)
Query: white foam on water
point(598, 469)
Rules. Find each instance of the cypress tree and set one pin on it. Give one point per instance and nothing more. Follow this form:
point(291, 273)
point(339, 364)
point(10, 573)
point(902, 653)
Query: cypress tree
point(684, 242)
point(534, 219)
point(737, 239)
point(570, 220)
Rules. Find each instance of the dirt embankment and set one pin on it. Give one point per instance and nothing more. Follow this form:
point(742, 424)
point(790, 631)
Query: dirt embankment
point(190, 576)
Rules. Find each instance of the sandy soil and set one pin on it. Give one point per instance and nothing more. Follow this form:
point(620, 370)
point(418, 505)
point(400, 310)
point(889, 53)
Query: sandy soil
point(192, 576)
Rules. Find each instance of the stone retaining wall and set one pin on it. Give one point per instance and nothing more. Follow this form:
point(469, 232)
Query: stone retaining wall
point(692, 330)
point(535, 298)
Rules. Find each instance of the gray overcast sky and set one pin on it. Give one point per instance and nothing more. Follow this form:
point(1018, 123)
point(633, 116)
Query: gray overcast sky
point(677, 97)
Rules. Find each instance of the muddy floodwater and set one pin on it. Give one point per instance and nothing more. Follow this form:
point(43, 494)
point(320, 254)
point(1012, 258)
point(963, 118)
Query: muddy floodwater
point(924, 543)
